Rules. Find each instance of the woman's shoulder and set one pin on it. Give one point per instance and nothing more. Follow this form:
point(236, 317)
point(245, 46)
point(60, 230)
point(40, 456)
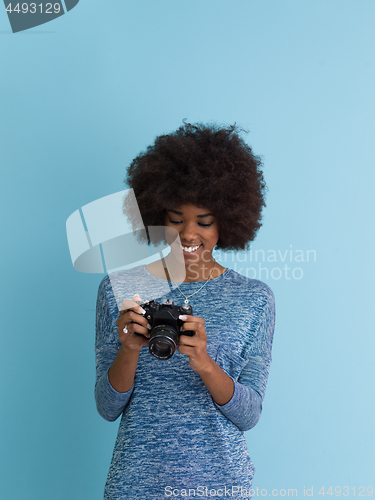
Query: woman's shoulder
point(126, 283)
point(246, 287)
point(118, 279)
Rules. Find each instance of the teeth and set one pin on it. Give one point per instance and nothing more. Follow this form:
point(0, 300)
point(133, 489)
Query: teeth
point(190, 249)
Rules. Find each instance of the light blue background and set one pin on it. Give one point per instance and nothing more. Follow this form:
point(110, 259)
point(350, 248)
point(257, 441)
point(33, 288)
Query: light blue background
point(79, 98)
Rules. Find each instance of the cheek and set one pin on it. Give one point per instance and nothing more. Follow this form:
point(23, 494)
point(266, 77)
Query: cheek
point(170, 234)
point(214, 237)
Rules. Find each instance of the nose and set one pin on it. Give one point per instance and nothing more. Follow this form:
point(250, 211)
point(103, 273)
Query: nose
point(188, 232)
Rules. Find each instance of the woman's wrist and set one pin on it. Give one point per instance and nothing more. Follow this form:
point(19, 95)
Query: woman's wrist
point(122, 371)
point(219, 384)
point(207, 368)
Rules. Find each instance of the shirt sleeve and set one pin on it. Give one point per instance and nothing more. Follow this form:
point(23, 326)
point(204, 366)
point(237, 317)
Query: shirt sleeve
point(109, 402)
point(250, 374)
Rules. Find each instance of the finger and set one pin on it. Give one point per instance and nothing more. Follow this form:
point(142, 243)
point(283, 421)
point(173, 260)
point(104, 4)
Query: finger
point(188, 341)
point(186, 349)
point(133, 329)
point(191, 322)
point(131, 304)
point(189, 333)
point(188, 318)
point(130, 339)
point(187, 325)
point(130, 317)
point(193, 326)
point(136, 328)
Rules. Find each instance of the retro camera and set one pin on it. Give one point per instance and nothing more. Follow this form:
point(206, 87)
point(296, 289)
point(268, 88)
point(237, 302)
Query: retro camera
point(165, 326)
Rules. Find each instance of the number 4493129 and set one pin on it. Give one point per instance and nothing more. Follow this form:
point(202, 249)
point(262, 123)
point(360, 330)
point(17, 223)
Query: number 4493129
point(25, 8)
point(362, 491)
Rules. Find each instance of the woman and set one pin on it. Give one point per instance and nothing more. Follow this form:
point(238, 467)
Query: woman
point(183, 419)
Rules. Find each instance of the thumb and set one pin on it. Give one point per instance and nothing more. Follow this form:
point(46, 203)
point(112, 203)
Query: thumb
point(130, 304)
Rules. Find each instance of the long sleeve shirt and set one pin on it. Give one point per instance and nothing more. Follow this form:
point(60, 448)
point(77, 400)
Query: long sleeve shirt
point(173, 437)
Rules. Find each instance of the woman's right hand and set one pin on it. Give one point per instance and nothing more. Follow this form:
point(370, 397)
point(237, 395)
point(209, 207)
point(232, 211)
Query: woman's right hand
point(136, 326)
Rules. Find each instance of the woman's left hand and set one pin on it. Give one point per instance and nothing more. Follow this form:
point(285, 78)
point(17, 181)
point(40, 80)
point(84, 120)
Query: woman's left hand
point(219, 384)
point(195, 347)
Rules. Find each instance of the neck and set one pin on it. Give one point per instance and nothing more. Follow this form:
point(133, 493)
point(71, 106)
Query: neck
point(201, 271)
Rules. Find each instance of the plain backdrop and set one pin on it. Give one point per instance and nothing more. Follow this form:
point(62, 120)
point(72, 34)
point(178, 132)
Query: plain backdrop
point(80, 97)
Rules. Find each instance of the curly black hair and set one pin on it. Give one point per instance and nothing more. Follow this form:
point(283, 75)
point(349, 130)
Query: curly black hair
point(207, 166)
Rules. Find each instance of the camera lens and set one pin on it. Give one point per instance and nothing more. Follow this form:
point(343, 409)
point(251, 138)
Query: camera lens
point(163, 342)
point(162, 346)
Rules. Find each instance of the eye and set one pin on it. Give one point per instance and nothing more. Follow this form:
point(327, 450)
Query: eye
point(201, 224)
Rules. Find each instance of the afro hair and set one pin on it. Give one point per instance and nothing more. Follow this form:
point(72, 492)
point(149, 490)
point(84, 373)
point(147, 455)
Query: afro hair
point(207, 166)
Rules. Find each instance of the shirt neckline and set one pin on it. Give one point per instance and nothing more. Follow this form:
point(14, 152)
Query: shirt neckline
point(227, 270)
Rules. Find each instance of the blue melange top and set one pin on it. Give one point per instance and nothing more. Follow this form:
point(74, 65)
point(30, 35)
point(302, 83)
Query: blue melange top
point(173, 439)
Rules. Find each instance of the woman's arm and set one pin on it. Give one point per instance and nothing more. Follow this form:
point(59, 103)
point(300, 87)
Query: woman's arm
point(122, 371)
point(250, 374)
point(110, 403)
point(237, 385)
point(219, 384)
point(238, 401)
point(216, 380)
point(117, 354)
point(245, 407)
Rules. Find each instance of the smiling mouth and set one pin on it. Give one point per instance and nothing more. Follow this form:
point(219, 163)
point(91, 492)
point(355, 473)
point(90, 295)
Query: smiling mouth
point(191, 249)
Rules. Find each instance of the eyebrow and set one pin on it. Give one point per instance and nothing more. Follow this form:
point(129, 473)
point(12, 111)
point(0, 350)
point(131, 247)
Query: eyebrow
point(180, 213)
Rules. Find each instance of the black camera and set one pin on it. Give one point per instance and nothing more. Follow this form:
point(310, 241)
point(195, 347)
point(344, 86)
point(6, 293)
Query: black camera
point(165, 326)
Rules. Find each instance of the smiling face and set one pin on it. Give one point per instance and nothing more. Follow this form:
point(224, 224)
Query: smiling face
point(198, 231)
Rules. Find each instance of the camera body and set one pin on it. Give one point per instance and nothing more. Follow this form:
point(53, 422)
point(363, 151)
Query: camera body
point(165, 326)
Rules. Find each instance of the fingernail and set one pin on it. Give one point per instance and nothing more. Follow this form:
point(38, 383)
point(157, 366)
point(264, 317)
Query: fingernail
point(141, 310)
point(182, 317)
point(149, 326)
